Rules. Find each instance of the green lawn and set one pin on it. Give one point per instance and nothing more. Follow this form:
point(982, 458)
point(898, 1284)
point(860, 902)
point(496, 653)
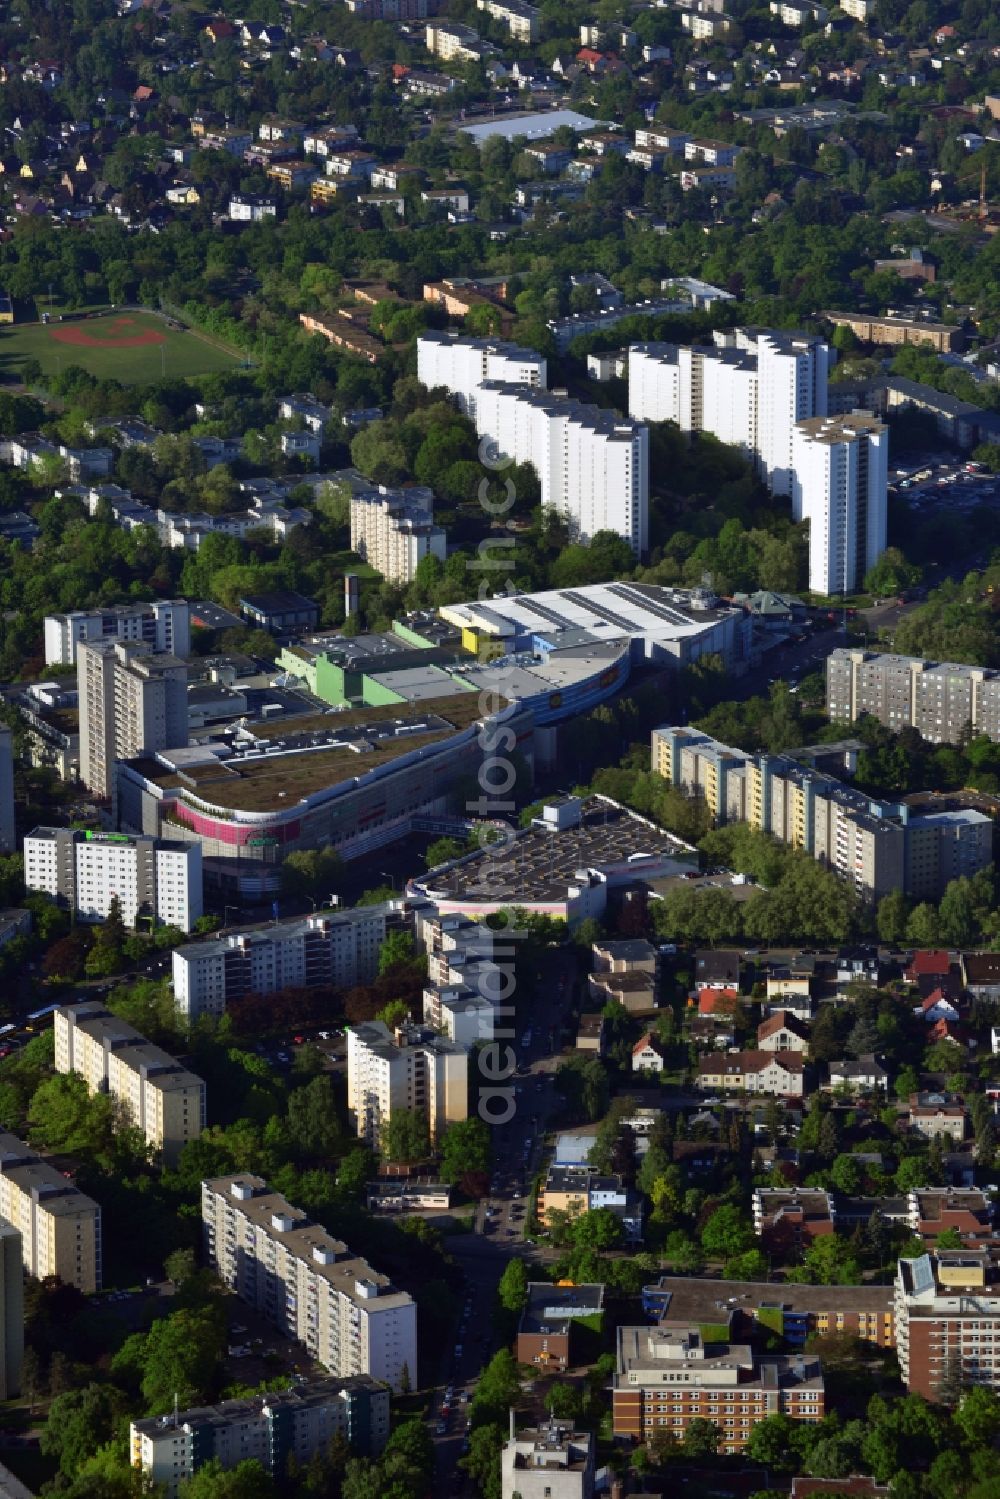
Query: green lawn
point(116, 349)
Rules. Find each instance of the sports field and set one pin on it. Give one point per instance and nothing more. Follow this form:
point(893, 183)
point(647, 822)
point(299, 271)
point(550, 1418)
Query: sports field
point(134, 347)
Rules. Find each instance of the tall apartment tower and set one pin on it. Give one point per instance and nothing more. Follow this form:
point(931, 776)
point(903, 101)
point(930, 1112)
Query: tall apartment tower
point(11, 1312)
point(410, 1068)
point(393, 530)
point(592, 465)
point(841, 475)
point(8, 835)
point(133, 700)
point(461, 365)
point(164, 624)
point(748, 389)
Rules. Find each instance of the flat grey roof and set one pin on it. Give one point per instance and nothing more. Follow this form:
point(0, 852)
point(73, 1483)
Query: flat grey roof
point(532, 127)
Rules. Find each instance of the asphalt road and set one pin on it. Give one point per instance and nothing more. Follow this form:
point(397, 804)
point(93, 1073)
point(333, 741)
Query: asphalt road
point(500, 1218)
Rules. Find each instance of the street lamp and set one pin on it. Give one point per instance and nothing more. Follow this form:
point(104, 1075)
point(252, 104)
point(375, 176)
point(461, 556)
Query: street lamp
point(390, 877)
point(225, 914)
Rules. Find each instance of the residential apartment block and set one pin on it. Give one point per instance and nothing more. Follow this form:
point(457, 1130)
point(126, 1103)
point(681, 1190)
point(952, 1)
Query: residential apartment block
point(877, 845)
point(272, 1428)
point(548, 1462)
point(164, 625)
point(669, 1376)
point(593, 466)
point(153, 879)
point(840, 476)
point(60, 1226)
point(133, 701)
point(947, 1308)
point(789, 1218)
point(778, 1073)
point(453, 42)
point(307, 1283)
point(162, 1098)
point(462, 365)
point(331, 948)
point(749, 389)
point(943, 700)
point(944, 338)
point(580, 1189)
point(393, 530)
point(520, 19)
point(407, 1068)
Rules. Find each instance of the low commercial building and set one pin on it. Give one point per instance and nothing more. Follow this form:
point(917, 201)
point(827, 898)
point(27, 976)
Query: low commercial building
point(353, 781)
point(548, 1332)
point(560, 871)
point(280, 611)
point(739, 1309)
point(154, 880)
point(409, 1068)
point(281, 1425)
point(669, 1376)
point(333, 948)
point(310, 1285)
point(548, 1462)
point(161, 1098)
point(947, 1309)
point(60, 1226)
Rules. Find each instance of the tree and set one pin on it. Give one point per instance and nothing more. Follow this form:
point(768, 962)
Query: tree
point(830, 1261)
point(180, 1355)
point(404, 1137)
point(978, 1416)
point(727, 1233)
point(597, 1229)
point(513, 1287)
point(312, 1119)
point(498, 1389)
point(397, 950)
point(482, 1462)
point(466, 1152)
point(922, 925)
point(64, 1116)
point(179, 1266)
point(772, 1442)
point(248, 1480)
point(79, 1422)
point(892, 916)
point(701, 1439)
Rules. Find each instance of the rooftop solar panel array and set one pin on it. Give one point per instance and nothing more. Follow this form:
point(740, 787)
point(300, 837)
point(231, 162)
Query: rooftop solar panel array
point(641, 601)
point(608, 615)
point(543, 611)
